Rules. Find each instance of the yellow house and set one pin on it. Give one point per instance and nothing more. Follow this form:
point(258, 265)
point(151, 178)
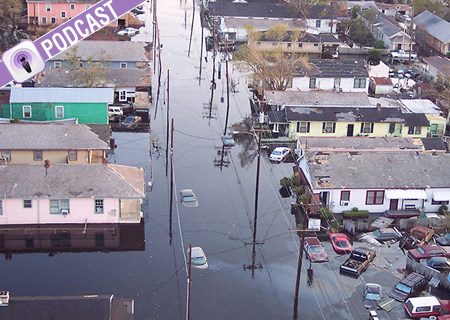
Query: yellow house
point(59, 143)
point(298, 121)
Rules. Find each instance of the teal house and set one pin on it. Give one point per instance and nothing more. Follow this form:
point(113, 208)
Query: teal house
point(87, 105)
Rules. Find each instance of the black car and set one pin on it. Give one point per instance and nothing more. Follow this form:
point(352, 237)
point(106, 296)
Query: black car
point(444, 240)
point(131, 122)
point(439, 263)
point(137, 11)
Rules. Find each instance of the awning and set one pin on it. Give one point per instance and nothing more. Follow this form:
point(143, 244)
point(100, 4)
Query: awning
point(405, 194)
point(441, 195)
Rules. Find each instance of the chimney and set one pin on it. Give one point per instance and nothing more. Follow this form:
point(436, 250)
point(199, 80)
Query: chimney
point(46, 165)
point(379, 106)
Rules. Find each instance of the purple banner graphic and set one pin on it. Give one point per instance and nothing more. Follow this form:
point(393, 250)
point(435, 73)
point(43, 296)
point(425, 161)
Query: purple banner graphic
point(60, 39)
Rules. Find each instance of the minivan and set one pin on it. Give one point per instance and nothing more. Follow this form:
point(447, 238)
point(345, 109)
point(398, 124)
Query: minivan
point(412, 285)
point(425, 307)
point(115, 111)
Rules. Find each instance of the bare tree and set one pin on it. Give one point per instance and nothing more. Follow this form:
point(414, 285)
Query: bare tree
point(90, 72)
point(274, 68)
point(10, 12)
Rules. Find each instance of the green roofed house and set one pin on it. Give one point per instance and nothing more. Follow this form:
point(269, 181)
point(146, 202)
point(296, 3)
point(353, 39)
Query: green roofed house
point(87, 105)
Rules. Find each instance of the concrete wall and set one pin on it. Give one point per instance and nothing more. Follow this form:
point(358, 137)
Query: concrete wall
point(55, 156)
point(327, 84)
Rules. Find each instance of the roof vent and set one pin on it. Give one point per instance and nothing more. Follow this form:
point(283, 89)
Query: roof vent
point(4, 298)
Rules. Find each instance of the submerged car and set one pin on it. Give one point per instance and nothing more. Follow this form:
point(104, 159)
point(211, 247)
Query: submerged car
point(340, 243)
point(444, 240)
point(131, 121)
point(198, 258)
point(228, 141)
point(372, 294)
point(128, 32)
point(279, 154)
point(315, 251)
point(188, 198)
point(427, 251)
point(411, 286)
point(387, 234)
point(441, 264)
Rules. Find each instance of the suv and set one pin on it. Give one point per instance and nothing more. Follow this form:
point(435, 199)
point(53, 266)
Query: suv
point(115, 111)
point(412, 285)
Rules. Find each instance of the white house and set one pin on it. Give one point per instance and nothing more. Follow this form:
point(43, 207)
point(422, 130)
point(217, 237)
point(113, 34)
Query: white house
point(68, 194)
point(332, 75)
point(379, 181)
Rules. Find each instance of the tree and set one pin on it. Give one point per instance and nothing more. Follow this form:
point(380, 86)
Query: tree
point(356, 31)
point(355, 11)
point(374, 57)
point(275, 67)
point(440, 92)
point(89, 74)
point(438, 7)
point(10, 11)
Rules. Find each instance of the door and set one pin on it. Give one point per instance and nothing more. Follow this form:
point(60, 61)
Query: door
point(393, 205)
point(350, 128)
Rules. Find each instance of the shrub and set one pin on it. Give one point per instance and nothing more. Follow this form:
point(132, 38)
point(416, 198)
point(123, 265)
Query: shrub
point(325, 213)
point(285, 182)
point(304, 198)
point(374, 56)
point(443, 208)
point(335, 225)
point(363, 214)
point(378, 44)
point(355, 209)
point(300, 189)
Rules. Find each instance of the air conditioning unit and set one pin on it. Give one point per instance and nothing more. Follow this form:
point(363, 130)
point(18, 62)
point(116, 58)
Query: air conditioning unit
point(4, 298)
point(64, 212)
point(345, 203)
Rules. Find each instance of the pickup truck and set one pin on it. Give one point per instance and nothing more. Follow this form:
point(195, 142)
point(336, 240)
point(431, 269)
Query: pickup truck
point(358, 261)
point(402, 55)
point(417, 237)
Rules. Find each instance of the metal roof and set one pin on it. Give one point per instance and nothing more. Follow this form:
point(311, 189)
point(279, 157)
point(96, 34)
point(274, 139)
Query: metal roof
point(71, 181)
point(420, 106)
point(333, 68)
point(379, 170)
point(314, 98)
point(62, 95)
point(434, 25)
point(49, 137)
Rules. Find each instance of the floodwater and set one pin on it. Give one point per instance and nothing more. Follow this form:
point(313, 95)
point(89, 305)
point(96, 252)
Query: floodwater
point(234, 286)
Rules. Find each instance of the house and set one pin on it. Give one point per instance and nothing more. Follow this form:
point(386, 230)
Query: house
point(88, 105)
point(437, 65)
point(432, 33)
point(364, 5)
point(331, 75)
point(68, 194)
point(378, 181)
point(380, 85)
point(394, 9)
point(433, 113)
point(379, 70)
point(131, 85)
point(319, 121)
point(59, 143)
point(112, 54)
point(386, 29)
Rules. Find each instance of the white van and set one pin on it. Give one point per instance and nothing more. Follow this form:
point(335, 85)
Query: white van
point(425, 307)
point(115, 111)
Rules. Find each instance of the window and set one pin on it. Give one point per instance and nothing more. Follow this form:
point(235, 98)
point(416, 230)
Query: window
point(414, 130)
point(98, 205)
point(59, 112)
point(56, 205)
point(73, 155)
point(48, 7)
point(123, 65)
point(57, 64)
point(6, 154)
point(63, 14)
point(1, 208)
point(375, 197)
point(27, 203)
point(423, 309)
point(2, 240)
point(44, 20)
point(312, 83)
point(316, 44)
point(359, 83)
point(289, 44)
point(337, 83)
point(300, 45)
point(345, 195)
point(72, 6)
point(303, 127)
point(26, 111)
point(391, 127)
point(318, 22)
point(122, 95)
point(59, 240)
point(37, 155)
point(87, 6)
point(53, 20)
point(81, 64)
point(29, 243)
point(367, 127)
point(438, 203)
point(329, 127)
point(99, 239)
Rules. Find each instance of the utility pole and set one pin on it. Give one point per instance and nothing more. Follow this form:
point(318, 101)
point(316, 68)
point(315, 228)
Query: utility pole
point(189, 283)
point(167, 124)
point(299, 266)
point(228, 88)
point(411, 34)
point(171, 184)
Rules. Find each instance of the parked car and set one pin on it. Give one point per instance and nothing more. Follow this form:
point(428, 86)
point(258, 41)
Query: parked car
point(198, 258)
point(128, 32)
point(115, 111)
point(444, 240)
point(188, 198)
point(409, 287)
point(279, 154)
point(427, 251)
point(315, 251)
point(340, 243)
point(418, 236)
point(228, 141)
point(386, 234)
point(137, 11)
point(131, 121)
point(372, 294)
point(441, 264)
point(425, 307)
